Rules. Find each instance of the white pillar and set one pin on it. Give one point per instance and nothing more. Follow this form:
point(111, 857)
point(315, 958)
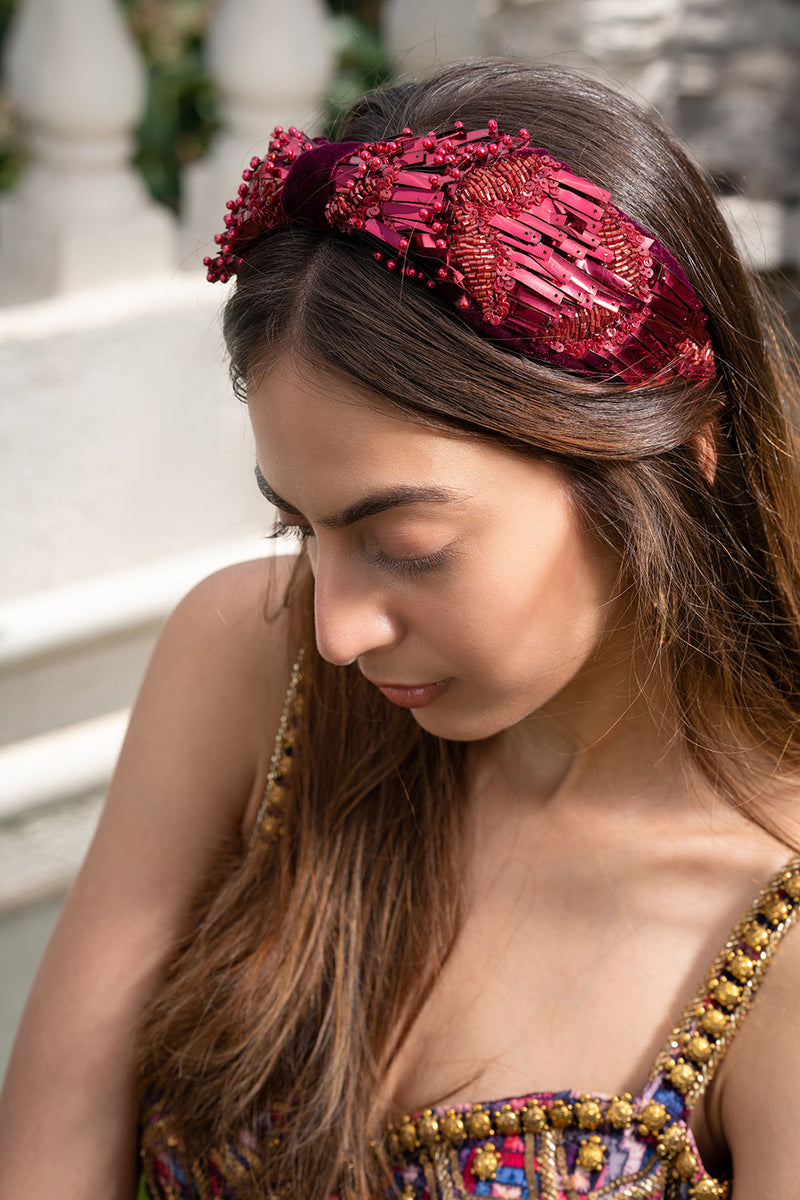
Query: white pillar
point(627, 41)
point(537, 30)
point(80, 216)
point(634, 41)
point(272, 62)
point(421, 35)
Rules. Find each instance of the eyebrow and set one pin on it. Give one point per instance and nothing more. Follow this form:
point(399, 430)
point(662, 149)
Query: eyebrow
point(368, 506)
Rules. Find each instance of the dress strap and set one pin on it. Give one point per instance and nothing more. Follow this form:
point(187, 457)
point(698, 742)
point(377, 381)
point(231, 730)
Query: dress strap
point(268, 824)
point(693, 1051)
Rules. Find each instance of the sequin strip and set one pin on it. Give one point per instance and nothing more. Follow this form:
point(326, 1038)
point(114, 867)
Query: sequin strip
point(548, 1181)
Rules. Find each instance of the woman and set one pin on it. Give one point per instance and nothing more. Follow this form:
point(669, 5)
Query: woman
point(539, 746)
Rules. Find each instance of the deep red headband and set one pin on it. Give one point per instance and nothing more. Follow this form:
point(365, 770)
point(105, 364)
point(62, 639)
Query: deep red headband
point(530, 253)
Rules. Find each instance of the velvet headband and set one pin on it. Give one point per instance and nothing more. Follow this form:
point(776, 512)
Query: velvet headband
point(529, 253)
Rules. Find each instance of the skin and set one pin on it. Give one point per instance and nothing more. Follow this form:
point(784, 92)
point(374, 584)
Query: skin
point(600, 876)
point(592, 840)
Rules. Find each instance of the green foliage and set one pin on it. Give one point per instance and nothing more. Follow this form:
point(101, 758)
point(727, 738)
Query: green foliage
point(11, 155)
point(180, 116)
point(362, 63)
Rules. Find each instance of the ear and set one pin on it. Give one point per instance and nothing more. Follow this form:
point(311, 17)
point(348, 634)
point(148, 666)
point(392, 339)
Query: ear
point(704, 451)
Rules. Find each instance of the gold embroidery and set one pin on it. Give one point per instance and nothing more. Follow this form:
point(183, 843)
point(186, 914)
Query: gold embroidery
point(453, 1127)
point(444, 1178)
point(620, 1111)
point(529, 1163)
point(589, 1113)
point(547, 1166)
point(698, 1048)
point(725, 995)
point(479, 1122)
point(534, 1117)
point(592, 1154)
point(506, 1121)
point(485, 1162)
point(560, 1114)
point(428, 1128)
point(653, 1118)
point(455, 1170)
point(268, 824)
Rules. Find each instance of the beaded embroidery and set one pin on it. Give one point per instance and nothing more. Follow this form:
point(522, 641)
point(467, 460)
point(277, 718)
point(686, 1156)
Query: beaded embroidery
point(544, 1146)
point(268, 824)
point(527, 251)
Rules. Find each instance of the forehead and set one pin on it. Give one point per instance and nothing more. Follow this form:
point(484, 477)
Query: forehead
point(307, 422)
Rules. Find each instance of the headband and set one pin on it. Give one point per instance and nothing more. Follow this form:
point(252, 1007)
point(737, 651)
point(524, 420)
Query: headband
point(529, 253)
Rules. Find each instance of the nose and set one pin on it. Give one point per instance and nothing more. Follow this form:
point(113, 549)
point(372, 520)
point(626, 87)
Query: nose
point(351, 615)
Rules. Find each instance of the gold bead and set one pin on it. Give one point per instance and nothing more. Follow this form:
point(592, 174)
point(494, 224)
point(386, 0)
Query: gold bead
point(393, 1144)
point(740, 966)
point(407, 1134)
point(479, 1123)
point(698, 1048)
point(452, 1127)
point(560, 1114)
point(589, 1113)
point(672, 1141)
point(271, 828)
point(428, 1128)
point(756, 935)
point(506, 1121)
point(592, 1154)
point(653, 1117)
point(620, 1111)
point(707, 1189)
point(791, 884)
point(775, 909)
point(682, 1076)
point(486, 1161)
point(726, 993)
point(684, 1165)
point(534, 1117)
point(714, 1023)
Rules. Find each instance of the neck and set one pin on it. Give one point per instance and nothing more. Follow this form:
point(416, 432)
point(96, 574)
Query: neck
point(601, 739)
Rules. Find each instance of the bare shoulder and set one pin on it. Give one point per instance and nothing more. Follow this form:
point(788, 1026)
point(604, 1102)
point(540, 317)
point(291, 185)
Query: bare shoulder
point(758, 1097)
point(199, 739)
point(222, 665)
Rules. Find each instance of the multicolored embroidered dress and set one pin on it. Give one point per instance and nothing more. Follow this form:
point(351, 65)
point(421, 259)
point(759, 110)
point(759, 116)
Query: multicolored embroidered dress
point(545, 1146)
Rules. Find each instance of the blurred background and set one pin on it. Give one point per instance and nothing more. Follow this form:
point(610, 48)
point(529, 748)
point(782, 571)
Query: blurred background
point(125, 463)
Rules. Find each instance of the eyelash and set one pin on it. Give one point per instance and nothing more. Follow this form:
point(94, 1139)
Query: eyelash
point(408, 567)
point(300, 533)
point(411, 568)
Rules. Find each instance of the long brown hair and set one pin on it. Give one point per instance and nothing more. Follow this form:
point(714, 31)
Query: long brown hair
point(301, 975)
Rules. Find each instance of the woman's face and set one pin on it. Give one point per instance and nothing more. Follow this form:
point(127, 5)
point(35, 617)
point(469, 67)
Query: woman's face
point(454, 572)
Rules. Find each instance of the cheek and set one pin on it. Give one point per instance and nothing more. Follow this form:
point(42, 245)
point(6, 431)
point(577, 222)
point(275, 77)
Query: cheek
point(539, 614)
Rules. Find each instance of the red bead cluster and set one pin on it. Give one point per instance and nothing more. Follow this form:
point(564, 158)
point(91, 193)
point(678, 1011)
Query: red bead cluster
point(256, 208)
point(530, 253)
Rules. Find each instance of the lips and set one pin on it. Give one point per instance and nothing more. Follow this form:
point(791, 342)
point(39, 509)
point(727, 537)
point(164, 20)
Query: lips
point(413, 696)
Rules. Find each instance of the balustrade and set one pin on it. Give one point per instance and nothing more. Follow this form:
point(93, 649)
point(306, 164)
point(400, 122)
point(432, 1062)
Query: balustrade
point(80, 216)
point(421, 35)
point(271, 62)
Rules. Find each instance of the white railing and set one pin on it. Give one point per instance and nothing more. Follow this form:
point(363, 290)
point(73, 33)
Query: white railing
point(127, 470)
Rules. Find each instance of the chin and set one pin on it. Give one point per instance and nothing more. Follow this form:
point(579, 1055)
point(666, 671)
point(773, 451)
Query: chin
point(459, 727)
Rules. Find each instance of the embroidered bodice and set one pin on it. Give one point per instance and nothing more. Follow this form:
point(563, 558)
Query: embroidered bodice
point(543, 1146)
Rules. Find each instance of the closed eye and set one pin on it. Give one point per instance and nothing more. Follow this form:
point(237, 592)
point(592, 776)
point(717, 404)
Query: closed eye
point(300, 533)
